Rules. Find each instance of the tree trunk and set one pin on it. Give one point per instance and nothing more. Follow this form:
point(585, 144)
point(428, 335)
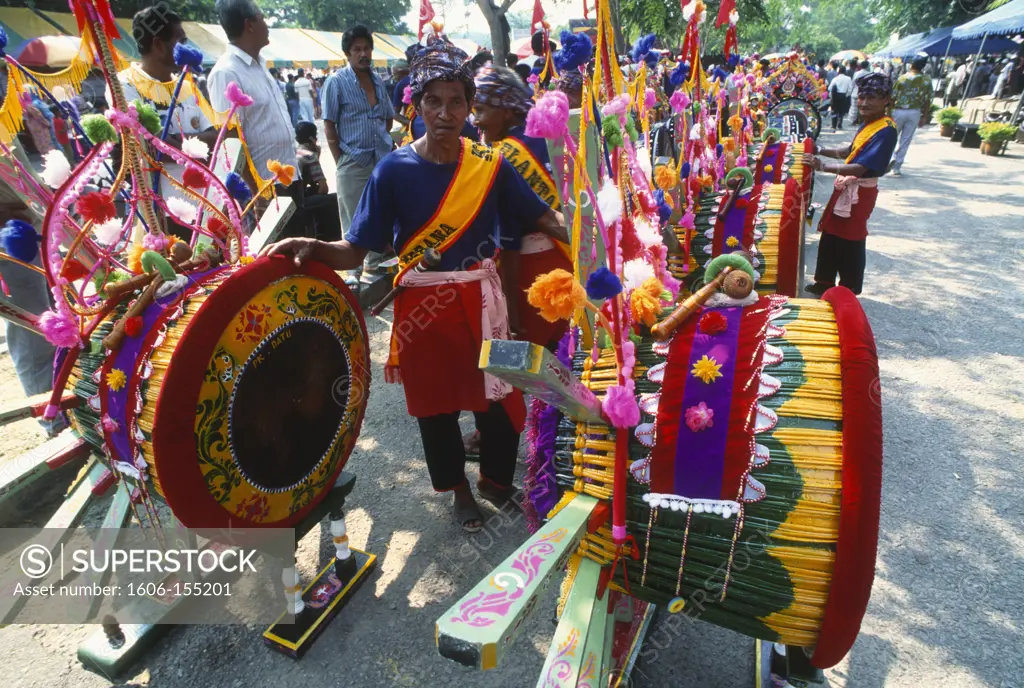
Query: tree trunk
point(620, 42)
point(499, 33)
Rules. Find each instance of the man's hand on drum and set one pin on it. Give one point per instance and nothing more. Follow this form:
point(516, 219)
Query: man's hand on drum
point(812, 161)
point(338, 255)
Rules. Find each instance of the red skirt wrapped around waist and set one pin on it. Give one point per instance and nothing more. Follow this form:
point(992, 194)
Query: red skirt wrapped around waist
point(855, 227)
point(532, 327)
point(437, 333)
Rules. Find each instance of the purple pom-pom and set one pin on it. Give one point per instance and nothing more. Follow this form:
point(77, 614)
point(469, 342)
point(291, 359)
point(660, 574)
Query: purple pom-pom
point(680, 74)
point(642, 47)
point(719, 149)
point(684, 170)
point(603, 284)
point(664, 211)
point(576, 51)
point(20, 240)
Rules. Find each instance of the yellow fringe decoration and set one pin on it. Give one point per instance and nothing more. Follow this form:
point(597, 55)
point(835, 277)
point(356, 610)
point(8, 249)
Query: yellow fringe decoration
point(562, 503)
point(571, 570)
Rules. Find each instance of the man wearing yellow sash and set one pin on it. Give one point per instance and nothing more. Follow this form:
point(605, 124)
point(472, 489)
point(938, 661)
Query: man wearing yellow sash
point(844, 224)
point(500, 108)
point(449, 194)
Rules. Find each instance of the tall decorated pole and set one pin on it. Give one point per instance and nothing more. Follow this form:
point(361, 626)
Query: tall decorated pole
point(426, 15)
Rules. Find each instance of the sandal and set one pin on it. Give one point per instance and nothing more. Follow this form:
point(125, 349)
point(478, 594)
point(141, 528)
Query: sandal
point(500, 497)
point(467, 513)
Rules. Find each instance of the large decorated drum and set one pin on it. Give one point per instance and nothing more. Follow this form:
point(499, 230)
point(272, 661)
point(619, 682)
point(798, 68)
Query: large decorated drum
point(755, 470)
point(239, 397)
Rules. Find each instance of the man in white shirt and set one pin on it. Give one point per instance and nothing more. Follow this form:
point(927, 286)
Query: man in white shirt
point(307, 94)
point(266, 126)
point(863, 69)
point(840, 89)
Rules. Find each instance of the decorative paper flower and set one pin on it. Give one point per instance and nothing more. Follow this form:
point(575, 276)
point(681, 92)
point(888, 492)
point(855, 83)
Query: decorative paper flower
point(549, 118)
point(56, 168)
point(237, 187)
point(603, 284)
point(769, 168)
point(645, 307)
point(284, 174)
point(556, 295)
point(700, 417)
point(96, 207)
point(157, 242)
point(116, 379)
point(533, 79)
point(59, 329)
point(20, 240)
point(620, 406)
point(108, 424)
point(618, 105)
point(712, 323)
point(609, 202)
point(133, 326)
point(195, 148)
point(236, 96)
point(732, 242)
point(707, 370)
point(193, 177)
point(107, 233)
point(184, 211)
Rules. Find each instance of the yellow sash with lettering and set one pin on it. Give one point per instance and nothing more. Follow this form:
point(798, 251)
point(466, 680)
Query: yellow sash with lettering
point(866, 134)
point(474, 176)
point(536, 175)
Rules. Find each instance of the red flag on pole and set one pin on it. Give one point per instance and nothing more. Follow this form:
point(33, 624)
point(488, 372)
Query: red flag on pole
point(724, 10)
point(538, 17)
point(426, 14)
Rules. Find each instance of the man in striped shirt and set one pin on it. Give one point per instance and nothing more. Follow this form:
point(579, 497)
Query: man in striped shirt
point(357, 122)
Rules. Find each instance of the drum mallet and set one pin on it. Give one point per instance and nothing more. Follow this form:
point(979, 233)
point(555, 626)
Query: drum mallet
point(735, 185)
point(737, 283)
point(430, 260)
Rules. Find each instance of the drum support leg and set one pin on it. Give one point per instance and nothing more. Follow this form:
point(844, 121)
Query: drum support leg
point(781, 666)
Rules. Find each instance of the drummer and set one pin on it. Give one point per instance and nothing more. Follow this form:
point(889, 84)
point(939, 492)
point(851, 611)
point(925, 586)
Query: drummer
point(844, 224)
point(450, 194)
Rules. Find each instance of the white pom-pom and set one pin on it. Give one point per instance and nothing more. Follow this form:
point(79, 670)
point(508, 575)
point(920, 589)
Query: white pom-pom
point(635, 272)
point(688, 10)
point(183, 210)
point(609, 203)
point(646, 232)
point(194, 148)
point(734, 17)
point(56, 168)
point(109, 232)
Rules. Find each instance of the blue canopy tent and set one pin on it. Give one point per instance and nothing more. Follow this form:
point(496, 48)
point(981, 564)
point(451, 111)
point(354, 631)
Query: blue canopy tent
point(940, 42)
point(898, 48)
point(1006, 20)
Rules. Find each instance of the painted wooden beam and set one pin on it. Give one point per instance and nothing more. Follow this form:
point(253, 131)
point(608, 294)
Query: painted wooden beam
point(575, 656)
point(480, 627)
point(538, 372)
point(21, 472)
point(271, 223)
point(33, 407)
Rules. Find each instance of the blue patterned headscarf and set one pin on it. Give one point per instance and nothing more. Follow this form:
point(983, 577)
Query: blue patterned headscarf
point(500, 87)
point(875, 84)
point(440, 61)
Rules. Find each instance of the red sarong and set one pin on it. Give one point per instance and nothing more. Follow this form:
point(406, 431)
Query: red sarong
point(855, 227)
point(532, 327)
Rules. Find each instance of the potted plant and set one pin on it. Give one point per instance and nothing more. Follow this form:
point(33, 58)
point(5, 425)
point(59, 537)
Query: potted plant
point(932, 109)
point(994, 136)
point(948, 117)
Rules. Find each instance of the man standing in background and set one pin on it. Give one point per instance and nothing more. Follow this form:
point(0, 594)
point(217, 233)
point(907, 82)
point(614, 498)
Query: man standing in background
point(862, 69)
point(306, 92)
point(357, 122)
point(912, 98)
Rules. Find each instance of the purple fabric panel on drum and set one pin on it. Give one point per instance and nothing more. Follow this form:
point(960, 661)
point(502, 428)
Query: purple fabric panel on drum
point(734, 225)
point(700, 455)
point(771, 157)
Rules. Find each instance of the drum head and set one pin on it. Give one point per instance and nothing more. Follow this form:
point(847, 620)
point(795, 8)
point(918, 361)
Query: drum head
point(264, 397)
point(796, 119)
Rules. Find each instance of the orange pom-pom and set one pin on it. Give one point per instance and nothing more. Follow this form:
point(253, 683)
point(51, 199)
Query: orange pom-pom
point(666, 177)
point(645, 307)
point(556, 295)
point(284, 174)
point(135, 258)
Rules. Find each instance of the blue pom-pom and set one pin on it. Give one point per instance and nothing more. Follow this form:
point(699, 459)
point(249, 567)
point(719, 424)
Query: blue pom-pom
point(733, 60)
point(642, 47)
point(684, 170)
point(603, 284)
point(187, 56)
point(664, 211)
point(237, 187)
point(576, 51)
point(20, 240)
point(3, 41)
point(719, 149)
point(652, 58)
point(680, 74)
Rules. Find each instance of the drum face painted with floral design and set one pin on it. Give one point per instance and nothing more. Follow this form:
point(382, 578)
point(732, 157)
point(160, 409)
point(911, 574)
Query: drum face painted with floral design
point(754, 482)
point(240, 397)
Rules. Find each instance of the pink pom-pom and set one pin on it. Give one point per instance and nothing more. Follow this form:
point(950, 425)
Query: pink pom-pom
point(51, 411)
point(155, 242)
point(616, 106)
point(620, 406)
point(236, 96)
point(549, 118)
point(59, 329)
point(108, 423)
point(679, 101)
point(687, 221)
point(533, 79)
point(407, 95)
point(650, 98)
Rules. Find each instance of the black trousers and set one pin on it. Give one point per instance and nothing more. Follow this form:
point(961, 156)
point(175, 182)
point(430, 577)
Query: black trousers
point(844, 257)
point(446, 456)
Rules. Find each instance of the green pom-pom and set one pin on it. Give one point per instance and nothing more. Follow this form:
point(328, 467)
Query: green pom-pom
point(148, 117)
point(748, 176)
point(732, 260)
point(631, 129)
point(771, 131)
point(612, 131)
point(99, 130)
point(102, 279)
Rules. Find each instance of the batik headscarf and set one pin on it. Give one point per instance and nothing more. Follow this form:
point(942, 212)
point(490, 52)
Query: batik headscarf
point(571, 81)
point(875, 84)
point(500, 87)
point(440, 61)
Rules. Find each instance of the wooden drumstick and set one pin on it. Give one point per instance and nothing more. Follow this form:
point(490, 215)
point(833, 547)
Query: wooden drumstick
point(667, 327)
point(430, 260)
point(115, 339)
point(210, 256)
point(735, 185)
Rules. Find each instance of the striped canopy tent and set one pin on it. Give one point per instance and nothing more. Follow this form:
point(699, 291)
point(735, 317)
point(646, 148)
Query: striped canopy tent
point(125, 43)
point(384, 53)
point(400, 41)
point(303, 51)
point(276, 54)
point(22, 24)
point(209, 44)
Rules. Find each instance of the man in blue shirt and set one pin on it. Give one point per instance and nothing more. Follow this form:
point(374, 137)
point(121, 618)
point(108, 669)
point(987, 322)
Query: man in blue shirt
point(357, 123)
